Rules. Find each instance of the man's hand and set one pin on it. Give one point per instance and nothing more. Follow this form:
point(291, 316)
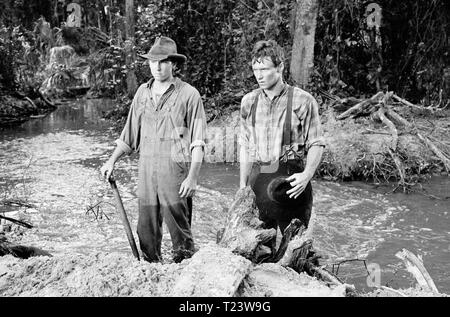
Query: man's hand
point(188, 187)
point(298, 181)
point(107, 169)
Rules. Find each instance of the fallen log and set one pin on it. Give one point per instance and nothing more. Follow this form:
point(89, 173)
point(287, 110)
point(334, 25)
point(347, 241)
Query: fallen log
point(406, 102)
point(415, 266)
point(425, 140)
point(270, 279)
point(362, 107)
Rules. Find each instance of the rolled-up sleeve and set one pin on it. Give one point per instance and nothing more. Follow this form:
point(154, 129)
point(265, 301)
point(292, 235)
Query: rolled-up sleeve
point(244, 129)
point(246, 137)
point(196, 121)
point(312, 128)
point(129, 139)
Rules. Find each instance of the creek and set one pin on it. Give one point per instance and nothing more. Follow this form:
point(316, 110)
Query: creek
point(53, 164)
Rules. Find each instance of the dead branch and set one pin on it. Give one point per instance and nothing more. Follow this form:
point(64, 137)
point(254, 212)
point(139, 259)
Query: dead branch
point(436, 151)
point(415, 266)
point(294, 228)
point(30, 102)
point(362, 106)
point(17, 222)
point(381, 115)
point(346, 261)
point(406, 102)
point(393, 291)
point(400, 168)
point(328, 276)
point(47, 102)
point(399, 119)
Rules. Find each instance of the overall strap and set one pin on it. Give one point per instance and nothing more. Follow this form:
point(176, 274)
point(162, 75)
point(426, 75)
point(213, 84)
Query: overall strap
point(253, 109)
point(253, 113)
point(288, 119)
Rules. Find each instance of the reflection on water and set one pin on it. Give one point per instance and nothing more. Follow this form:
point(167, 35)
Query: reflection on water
point(85, 114)
point(53, 163)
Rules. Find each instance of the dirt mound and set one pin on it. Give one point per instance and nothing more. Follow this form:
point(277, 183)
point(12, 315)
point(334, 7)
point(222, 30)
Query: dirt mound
point(99, 274)
point(118, 275)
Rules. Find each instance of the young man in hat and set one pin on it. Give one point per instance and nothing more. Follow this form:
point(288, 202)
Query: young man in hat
point(279, 126)
point(167, 125)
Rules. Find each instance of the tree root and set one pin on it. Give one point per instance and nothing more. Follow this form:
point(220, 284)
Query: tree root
point(379, 106)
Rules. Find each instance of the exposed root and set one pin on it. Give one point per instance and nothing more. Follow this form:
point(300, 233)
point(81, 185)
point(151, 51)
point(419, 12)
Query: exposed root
point(379, 107)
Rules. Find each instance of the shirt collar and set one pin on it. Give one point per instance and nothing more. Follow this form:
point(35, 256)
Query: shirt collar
point(282, 90)
point(174, 84)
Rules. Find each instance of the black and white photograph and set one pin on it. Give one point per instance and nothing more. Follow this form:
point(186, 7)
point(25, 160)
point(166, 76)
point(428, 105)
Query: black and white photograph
point(224, 154)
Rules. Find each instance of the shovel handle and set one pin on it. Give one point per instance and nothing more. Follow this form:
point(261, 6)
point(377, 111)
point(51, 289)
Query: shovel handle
point(123, 217)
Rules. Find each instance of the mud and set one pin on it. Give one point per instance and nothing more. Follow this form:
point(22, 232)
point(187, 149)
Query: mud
point(119, 275)
point(100, 274)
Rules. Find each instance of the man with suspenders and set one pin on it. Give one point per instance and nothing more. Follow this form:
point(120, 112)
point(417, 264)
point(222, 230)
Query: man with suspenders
point(279, 126)
point(167, 125)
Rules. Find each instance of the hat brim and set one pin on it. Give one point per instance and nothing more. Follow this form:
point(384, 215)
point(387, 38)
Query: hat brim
point(157, 58)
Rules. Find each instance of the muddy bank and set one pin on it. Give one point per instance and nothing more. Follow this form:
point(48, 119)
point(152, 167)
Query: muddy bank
point(114, 274)
point(356, 149)
point(99, 274)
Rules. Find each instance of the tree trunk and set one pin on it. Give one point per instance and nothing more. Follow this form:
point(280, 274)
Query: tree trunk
point(129, 48)
point(129, 26)
point(244, 233)
point(302, 60)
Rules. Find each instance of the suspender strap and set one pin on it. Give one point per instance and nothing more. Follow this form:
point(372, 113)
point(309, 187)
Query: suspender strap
point(288, 118)
point(253, 110)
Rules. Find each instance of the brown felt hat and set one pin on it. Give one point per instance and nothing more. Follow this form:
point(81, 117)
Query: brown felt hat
point(163, 48)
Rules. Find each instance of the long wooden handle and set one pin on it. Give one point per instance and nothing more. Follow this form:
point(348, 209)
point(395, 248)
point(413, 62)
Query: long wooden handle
point(123, 217)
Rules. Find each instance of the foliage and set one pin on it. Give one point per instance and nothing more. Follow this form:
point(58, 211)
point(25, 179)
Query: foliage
point(19, 60)
point(411, 61)
point(24, 12)
point(108, 71)
point(217, 37)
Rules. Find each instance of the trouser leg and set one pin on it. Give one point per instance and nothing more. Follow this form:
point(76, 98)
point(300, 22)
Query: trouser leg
point(149, 230)
point(303, 214)
point(177, 212)
point(176, 216)
point(149, 227)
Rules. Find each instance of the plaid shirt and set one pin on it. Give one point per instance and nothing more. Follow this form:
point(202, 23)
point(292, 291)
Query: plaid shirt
point(264, 141)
